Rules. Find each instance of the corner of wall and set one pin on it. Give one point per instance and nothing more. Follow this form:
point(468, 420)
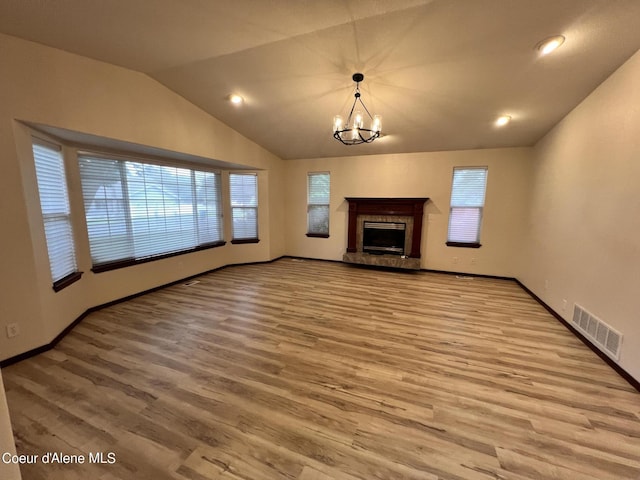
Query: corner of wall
point(583, 214)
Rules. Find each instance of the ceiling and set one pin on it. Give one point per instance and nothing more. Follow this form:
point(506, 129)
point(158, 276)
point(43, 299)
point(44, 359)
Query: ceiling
point(438, 71)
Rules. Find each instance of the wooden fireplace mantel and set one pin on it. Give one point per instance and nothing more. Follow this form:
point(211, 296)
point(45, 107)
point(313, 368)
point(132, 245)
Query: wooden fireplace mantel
point(412, 207)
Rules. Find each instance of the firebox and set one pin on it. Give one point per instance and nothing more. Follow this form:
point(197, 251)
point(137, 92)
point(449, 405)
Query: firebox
point(383, 237)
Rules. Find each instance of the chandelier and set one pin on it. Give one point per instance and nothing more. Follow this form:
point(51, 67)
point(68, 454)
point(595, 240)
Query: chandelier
point(353, 131)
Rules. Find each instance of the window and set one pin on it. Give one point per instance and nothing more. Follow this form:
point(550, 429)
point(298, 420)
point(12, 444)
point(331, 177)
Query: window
point(143, 211)
point(56, 214)
point(244, 207)
point(467, 203)
point(318, 189)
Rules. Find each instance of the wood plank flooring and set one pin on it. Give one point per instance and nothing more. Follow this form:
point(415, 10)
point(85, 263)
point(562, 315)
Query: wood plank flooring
point(310, 370)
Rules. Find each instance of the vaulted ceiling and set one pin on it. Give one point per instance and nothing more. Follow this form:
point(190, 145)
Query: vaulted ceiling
point(439, 72)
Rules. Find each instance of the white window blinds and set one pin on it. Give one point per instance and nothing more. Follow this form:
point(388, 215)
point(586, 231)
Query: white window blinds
point(56, 214)
point(467, 203)
point(318, 192)
point(244, 205)
point(137, 211)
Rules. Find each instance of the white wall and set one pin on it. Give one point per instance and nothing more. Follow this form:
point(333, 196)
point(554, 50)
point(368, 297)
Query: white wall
point(419, 175)
point(584, 228)
point(47, 86)
point(579, 183)
point(7, 471)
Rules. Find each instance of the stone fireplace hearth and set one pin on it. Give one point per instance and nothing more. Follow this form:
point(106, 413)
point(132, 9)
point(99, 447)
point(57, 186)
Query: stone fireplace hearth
point(401, 210)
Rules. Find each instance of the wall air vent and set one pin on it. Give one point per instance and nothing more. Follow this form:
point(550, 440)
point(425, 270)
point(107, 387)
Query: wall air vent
point(599, 333)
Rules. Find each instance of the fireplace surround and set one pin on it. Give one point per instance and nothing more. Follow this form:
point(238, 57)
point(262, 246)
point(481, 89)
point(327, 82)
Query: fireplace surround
point(407, 211)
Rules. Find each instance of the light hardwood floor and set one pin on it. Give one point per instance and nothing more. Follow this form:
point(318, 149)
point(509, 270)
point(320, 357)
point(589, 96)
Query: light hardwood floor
point(313, 370)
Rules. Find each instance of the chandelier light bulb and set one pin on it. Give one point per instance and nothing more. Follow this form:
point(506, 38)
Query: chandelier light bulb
point(376, 126)
point(357, 120)
point(337, 123)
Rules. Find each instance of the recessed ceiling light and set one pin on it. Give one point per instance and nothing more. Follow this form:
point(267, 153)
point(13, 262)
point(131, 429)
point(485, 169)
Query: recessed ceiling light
point(236, 99)
point(548, 45)
point(503, 120)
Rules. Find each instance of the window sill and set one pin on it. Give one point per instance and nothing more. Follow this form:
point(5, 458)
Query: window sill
point(66, 281)
point(240, 241)
point(318, 235)
point(128, 262)
point(464, 244)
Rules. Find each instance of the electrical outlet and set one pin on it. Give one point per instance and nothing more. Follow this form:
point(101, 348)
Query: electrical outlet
point(454, 260)
point(546, 284)
point(564, 304)
point(13, 330)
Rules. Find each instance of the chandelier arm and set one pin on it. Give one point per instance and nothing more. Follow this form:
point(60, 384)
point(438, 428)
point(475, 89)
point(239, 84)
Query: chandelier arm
point(365, 108)
point(351, 112)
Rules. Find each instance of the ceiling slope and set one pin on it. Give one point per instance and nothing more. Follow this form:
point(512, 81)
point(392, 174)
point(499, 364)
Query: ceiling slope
point(439, 72)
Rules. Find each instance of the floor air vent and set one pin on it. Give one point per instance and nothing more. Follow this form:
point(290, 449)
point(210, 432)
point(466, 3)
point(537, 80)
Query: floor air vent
point(602, 335)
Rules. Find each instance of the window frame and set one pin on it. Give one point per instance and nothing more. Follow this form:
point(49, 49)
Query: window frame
point(236, 240)
point(480, 209)
point(71, 275)
point(310, 205)
point(120, 161)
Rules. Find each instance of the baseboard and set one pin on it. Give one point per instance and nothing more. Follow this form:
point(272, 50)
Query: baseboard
point(293, 257)
point(463, 274)
point(63, 333)
point(619, 370)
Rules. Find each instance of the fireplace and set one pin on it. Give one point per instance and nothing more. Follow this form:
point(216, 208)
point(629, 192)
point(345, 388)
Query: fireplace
point(379, 238)
point(385, 232)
